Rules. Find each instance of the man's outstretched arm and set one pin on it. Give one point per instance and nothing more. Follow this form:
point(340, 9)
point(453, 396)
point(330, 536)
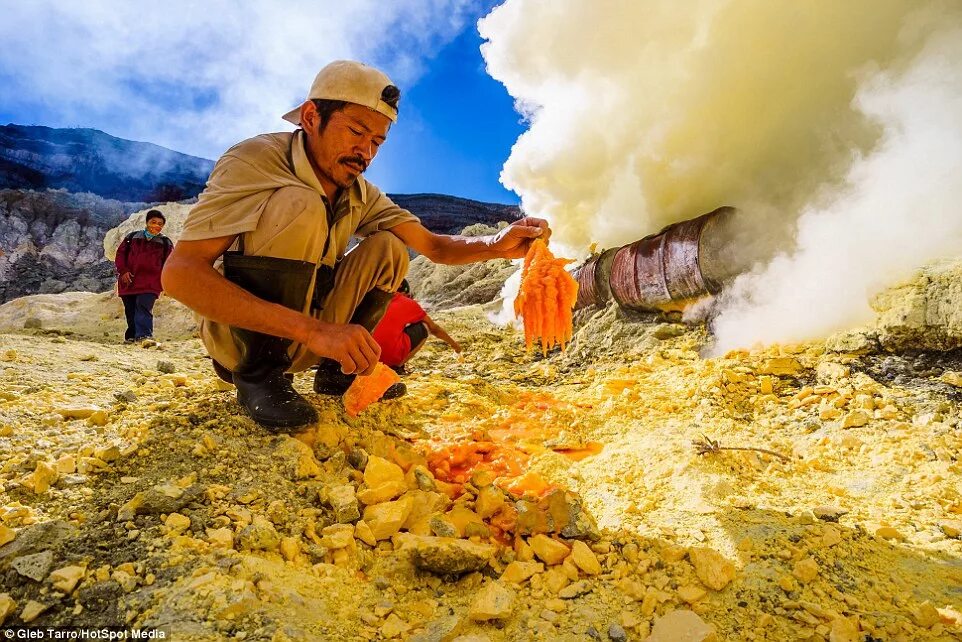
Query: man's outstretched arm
point(189, 276)
point(511, 242)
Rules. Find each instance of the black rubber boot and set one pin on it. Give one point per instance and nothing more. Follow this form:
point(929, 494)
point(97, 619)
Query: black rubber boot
point(329, 380)
point(263, 388)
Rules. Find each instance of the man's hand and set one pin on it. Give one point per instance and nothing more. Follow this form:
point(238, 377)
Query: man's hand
point(350, 345)
point(127, 278)
point(513, 241)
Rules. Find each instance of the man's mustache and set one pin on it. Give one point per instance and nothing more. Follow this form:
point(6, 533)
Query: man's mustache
point(355, 160)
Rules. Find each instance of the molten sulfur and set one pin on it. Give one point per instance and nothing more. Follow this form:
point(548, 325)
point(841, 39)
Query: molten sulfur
point(547, 296)
point(366, 390)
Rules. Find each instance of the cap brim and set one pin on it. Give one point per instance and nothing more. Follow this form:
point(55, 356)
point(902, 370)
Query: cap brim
point(293, 116)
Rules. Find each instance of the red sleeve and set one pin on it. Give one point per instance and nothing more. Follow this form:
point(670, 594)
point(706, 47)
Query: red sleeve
point(121, 259)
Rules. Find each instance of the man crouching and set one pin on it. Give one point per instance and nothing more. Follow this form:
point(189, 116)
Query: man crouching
point(262, 258)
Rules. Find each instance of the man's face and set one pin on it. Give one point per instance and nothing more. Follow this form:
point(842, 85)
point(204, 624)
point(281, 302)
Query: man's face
point(155, 225)
point(347, 145)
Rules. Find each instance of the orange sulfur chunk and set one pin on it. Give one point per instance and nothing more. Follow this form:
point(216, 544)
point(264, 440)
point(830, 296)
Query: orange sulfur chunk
point(547, 296)
point(366, 390)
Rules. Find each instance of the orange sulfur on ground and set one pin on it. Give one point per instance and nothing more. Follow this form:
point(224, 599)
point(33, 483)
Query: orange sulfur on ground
point(366, 390)
point(547, 296)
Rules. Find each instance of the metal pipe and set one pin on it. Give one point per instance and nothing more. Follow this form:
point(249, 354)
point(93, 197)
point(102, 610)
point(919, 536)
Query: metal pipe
point(663, 271)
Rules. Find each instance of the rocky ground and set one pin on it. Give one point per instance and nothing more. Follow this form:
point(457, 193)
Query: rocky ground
point(135, 492)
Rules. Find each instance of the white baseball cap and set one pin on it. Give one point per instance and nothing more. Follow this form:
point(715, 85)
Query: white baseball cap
point(352, 82)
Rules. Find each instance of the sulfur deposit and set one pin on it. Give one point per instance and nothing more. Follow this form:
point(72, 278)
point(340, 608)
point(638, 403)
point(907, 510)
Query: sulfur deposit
point(506, 497)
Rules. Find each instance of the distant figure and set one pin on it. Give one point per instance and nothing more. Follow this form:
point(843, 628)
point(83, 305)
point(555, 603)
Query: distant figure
point(404, 328)
point(140, 259)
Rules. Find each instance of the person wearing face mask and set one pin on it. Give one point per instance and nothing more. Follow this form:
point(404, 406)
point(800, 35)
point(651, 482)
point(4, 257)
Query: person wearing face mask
point(139, 261)
point(264, 259)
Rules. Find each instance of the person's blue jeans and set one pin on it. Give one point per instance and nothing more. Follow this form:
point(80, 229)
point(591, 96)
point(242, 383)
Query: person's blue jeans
point(139, 310)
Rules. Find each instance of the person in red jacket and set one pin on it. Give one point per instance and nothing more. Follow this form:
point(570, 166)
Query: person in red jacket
point(404, 328)
point(140, 259)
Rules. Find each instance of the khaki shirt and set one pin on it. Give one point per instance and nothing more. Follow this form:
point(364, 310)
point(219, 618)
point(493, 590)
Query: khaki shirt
point(265, 190)
point(249, 174)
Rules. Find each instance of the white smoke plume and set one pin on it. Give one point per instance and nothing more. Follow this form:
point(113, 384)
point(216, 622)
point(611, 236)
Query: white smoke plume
point(834, 125)
point(200, 76)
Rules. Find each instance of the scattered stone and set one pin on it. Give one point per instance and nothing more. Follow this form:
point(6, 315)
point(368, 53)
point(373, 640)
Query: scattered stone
point(259, 536)
point(806, 570)
point(386, 519)
point(379, 471)
point(39, 537)
point(855, 419)
point(221, 537)
point(35, 566)
point(382, 492)
point(888, 532)
point(363, 532)
point(584, 558)
point(446, 556)
point(951, 528)
point(442, 526)
point(7, 606)
point(297, 459)
point(343, 501)
point(7, 534)
point(290, 548)
point(337, 536)
point(43, 476)
point(32, 610)
point(712, 569)
point(548, 550)
point(177, 522)
point(394, 627)
point(616, 633)
point(65, 579)
point(691, 593)
point(490, 501)
point(166, 367)
point(828, 513)
point(681, 626)
point(32, 323)
point(493, 602)
point(517, 572)
point(831, 536)
point(574, 590)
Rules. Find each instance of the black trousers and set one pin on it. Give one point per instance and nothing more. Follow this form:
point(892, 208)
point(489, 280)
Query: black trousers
point(139, 310)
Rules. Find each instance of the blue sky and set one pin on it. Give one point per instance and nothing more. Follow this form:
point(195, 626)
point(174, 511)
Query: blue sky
point(199, 76)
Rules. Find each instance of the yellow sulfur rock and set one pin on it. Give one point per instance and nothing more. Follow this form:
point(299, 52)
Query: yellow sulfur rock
point(65, 579)
point(290, 547)
point(806, 570)
point(43, 476)
point(584, 558)
point(386, 519)
point(548, 550)
point(7, 606)
point(363, 532)
point(7, 534)
point(177, 522)
point(845, 629)
point(691, 593)
point(517, 572)
point(493, 602)
point(712, 568)
point(32, 610)
point(382, 492)
point(379, 471)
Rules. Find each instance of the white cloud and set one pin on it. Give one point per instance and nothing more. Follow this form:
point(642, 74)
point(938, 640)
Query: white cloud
point(200, 76)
